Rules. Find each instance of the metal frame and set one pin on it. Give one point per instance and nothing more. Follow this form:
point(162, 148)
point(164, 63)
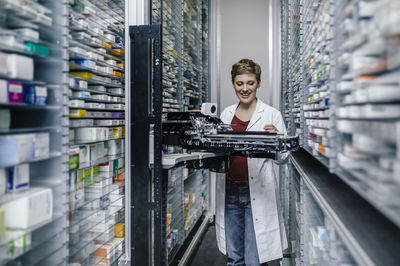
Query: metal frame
point(146, 59)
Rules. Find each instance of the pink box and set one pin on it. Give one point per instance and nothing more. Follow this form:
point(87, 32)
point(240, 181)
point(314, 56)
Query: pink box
point(15, 92)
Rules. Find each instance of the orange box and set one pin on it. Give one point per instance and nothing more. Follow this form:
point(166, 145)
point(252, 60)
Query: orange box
point(321, 148)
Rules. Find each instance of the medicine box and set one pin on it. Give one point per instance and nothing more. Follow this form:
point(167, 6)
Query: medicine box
point(103, 256)
point(114, 147)
point(16, 149)
point(82, 84)
point(77, 198)
point(12, 42)
point(20, 66)
point(3, 64)
point(97, 87)
point(3, 91)
point(2, 223)
point(116, 200)
point(27, 32)
point(98, 150)
point(81, 94)
point(3, 181)
point(118, 246)
point(119, 230)
point(111, 61)
point(15, 92)
point(42, 145)
point(85, 63)
point(87, 134)
point(77, 113)
point(84, 154)
point(107, 167)
point(76, 103)
point(105, 236)
point(74, 181)
point(35, 95)
point(117, 132)
point(34, 208)
point(87, 75)
point(18, 178)
point(37, 48)
point(116, 90)
point(73, 161)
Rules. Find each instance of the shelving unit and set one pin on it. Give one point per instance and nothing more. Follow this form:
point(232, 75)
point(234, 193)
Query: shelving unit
point(348, 52)
point(33, 131)
point(351, 221)
point(205, 83)
point(96, 132)
point(192, 54)
point(368, 155)
point(320, 239)
point(317, 52)
point(185, 86)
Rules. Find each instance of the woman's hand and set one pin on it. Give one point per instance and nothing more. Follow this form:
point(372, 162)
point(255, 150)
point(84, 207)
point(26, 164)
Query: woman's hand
point(270, 128)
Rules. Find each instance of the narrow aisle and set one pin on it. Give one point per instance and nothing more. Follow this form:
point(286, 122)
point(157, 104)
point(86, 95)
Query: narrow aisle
point(208, 253)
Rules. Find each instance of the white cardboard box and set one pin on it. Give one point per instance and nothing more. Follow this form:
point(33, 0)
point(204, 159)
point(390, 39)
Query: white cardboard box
point(18, 177)
point(20, 66)
point(3, 91)
point(35, 208)
point(3, 181)
point(42, 145)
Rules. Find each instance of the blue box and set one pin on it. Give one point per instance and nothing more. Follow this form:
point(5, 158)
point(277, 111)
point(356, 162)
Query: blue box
point(36, 95)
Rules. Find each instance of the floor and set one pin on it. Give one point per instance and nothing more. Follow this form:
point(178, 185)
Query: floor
point(207, 252)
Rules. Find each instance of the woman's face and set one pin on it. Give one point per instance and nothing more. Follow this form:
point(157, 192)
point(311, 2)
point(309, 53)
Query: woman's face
point(245, 86)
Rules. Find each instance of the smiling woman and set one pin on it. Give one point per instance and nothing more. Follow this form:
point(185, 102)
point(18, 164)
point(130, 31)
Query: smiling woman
point(248, 220)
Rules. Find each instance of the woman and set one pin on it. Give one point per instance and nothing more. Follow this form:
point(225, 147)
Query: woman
point(249, 222)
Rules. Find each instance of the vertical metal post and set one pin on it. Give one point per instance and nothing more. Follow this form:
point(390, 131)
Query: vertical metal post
point(145, 99)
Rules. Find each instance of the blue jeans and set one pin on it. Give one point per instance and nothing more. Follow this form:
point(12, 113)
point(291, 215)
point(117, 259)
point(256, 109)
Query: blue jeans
point(241, 245)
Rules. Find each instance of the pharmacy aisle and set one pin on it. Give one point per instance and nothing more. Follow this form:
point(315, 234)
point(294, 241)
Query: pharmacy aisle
point(336, 56)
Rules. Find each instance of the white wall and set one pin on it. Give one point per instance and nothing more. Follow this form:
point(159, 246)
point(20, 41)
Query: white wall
point(244, 30)
point(243, 35)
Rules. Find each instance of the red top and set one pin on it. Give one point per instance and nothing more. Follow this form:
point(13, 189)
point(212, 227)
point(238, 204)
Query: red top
point(239, 170)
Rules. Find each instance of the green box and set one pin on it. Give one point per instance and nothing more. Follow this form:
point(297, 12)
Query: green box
point(37, 48)
point(73, 162)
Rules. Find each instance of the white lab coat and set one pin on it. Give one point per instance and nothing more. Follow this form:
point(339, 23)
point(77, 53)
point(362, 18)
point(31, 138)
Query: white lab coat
point(264, 191)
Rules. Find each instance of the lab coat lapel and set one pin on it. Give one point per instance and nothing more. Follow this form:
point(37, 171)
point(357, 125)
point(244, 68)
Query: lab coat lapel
point(256, 115)
point(231, 112)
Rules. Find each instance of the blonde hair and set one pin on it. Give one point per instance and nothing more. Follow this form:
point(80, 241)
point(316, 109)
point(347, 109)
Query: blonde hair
point(246, 66)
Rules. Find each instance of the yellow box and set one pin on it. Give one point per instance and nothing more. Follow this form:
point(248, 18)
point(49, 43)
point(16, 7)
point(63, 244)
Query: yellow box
point(117, 132)
point(121, 65)
point(119, 230)
point(77, 113)
point(117, 73)
point(117, 52)
point(87, 75)
point(123, 131)
point(107, 45)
